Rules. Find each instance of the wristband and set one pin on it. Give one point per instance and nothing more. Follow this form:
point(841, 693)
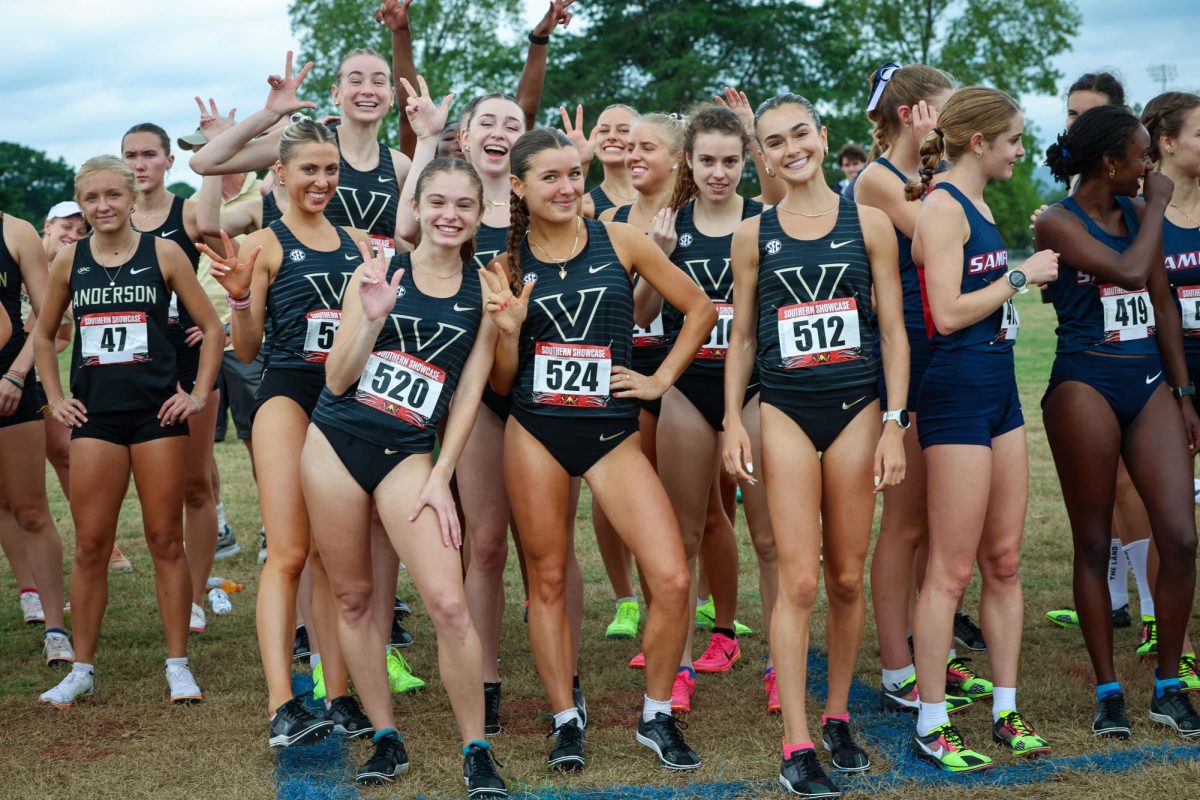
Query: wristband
point(17, 382)
point(238, 303)
point(1179, 392)
point(535, 39)
point(196, 402)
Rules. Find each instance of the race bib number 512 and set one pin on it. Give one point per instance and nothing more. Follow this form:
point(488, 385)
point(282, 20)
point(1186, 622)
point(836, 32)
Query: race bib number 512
point(821, 332)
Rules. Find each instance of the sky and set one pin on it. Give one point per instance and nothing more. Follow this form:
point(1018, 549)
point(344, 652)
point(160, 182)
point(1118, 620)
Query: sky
point(75, 81)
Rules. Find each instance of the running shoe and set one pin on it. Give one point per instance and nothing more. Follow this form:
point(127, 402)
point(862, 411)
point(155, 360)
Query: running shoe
point(300, 647)
point(772, 690)
point(318, 678)
point(1189, 678)
point(294, 725)
point(847, 755)
point(720, 656)
point(1110, 720)
point(183, 686)
point(961, 680)
point(967, 633)
point(682, 691)
point(400, 674)
point(77, 683)
point(402, 608)
point(662, 735)
point(706, 617)
point(262, 546)
point(491, 709)
point(905, 699)
point(117, 562)
point(197, 624)
point(1148, 645)
point(480, 775)
point(227, 544)
point(57, 649)
point(348, 718)
point(31, 608)
point(801, 775)
point(389, 760)
point(580, 705)
point(219, 602)
point(944, 748)
point(1121, 618)
point(567, 753)
point(1064, 617)
point(625, 622)
point(1174, 709)
point(1013, 731)
point(638, 661)
point(399, 637)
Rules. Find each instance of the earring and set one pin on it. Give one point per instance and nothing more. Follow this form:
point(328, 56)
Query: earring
point(979, 155)
point(826, 149)
point(1112, 173)
point(770, 172)
point(416, 217)
point(1170, 151)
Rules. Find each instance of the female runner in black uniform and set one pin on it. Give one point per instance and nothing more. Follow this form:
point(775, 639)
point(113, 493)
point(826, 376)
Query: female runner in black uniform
point(127, 409)
point(412, 331)
point(807, 325)
point(575, 403)
point(1119, 336)
point(611, 137)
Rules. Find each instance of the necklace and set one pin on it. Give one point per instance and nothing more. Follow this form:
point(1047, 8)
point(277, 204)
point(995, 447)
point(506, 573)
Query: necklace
point(625, 200)
point(497, 203)
point(428, 271)
point(562, 262)
point(811, 216)
point(1183, 211)
point(121, 255)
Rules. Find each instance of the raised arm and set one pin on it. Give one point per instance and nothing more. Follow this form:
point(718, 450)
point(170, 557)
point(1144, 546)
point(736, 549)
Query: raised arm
point(773, 187)
point(533, 77)
point(426, 120)
point(394, 14)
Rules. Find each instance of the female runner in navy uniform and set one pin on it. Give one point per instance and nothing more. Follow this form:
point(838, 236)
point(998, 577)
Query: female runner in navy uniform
point(808, 327)
point(126, 410)
point(414, 335)
point(1119, 335)
point(972, 431)
point(575, 404)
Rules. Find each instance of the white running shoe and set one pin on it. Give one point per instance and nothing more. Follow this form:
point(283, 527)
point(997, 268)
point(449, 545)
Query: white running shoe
point(198, 622)
point(31, 608)
point(58, 650)
point(78, 683)
point(219, 601)
point(184, 688)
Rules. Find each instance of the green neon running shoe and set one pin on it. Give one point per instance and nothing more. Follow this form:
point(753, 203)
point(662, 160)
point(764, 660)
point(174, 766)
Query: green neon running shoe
point(706, 617)
point(400, 675)
point(625, 621)
point(1148, 645)
point(1064, 617)
point(945, 749)
point(960, 679)
point(1013, 731)
point(1189, 678)
point(318, 676)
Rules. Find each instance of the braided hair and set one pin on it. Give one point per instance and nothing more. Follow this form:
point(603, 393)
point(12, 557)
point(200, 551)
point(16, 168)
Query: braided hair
point(1099, 132)
point(528, 145)
point(908, 86)
point(971, 110)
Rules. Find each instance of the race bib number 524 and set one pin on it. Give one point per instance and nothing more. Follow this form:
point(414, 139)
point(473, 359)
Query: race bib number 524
point(571, 375)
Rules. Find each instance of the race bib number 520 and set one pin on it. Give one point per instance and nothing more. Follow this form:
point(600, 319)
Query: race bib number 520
point(401, 385)
point(821, 332)
point(116, 338)
point(571, 375)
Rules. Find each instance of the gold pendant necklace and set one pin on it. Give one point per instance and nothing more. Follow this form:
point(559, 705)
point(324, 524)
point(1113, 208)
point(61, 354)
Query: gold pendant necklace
point(562, 262)
point(1183, 211)
point(811, 216)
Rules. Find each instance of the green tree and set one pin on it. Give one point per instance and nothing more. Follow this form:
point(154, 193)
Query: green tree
point(184, 190)
point(31, 182)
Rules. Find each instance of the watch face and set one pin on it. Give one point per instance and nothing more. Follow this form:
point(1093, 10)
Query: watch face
point(904, 421)
point(1017, 279)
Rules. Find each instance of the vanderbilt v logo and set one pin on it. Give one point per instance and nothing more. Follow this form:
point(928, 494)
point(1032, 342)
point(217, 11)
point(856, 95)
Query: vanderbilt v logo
point(572, 327)
point(408, 328)
point(364, 215)
point(828, 278)
point(330, 288)
point(485, 257)
point(702, 274)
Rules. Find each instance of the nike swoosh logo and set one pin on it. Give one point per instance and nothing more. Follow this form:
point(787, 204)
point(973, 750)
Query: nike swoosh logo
point(349, 257)
point(136, 271)
point(610, 437)
point(836, 245)
point(848, 406)
point(389, 452)
point(383, 179)
point(594, 270)
point(1152, 378)
point(165, 234)
point(457, 307)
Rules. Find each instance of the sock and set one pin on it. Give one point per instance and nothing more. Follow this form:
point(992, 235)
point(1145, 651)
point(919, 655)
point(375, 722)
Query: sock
point(690, 671)
point(483, 743)
point(79, 666)
point(220, 516)
point(1104, 690)
point(893, 679)
point(177, 662)
point(630, 599)
point(727, 632)
point(55, 630)
point(1136, 553)
point(572, 713)
point(703, 600)
point(930, 716)
point(313, 660)
point(574, 681)
point(650, 707)
point(1004, 698)
point(26, 590)
point(1118, 578)
point(953, 653)
point(487, 685)
point(790, 750)
point(387, 732)
point(1161, 685)
point(842, 717)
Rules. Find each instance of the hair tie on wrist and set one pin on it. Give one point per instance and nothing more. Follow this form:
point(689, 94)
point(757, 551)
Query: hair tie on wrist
point(535, 39)
point(196, 402)
point(17, 382)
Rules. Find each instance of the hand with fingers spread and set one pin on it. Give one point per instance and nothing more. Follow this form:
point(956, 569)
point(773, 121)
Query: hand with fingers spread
point(179, 407)
point(736, 454)
point(585, 145)
point(662, 230)
point(69, 411)
point(627, 383)
point(393, 14)
point(506, 311)
point(426, 118)
point(739, 104)
point(282, 99)
point(436, 494)
point(555, 15)
point(233, 274)
point(376, 293)
point(212, 124)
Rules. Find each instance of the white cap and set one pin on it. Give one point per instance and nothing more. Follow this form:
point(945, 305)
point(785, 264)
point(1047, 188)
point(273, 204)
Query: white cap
point(67, 208)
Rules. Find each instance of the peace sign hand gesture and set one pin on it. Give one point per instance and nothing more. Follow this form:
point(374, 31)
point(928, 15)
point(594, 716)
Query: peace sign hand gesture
point(556, 14)
point(233, 275)
point(212, 124)
point(282, 100)
point(376, 293)
point(427, 120)
point(739, 104)
point(507, 312)
point(585, 145)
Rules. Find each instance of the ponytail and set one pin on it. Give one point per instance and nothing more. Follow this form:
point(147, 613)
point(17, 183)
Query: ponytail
point(931, 156)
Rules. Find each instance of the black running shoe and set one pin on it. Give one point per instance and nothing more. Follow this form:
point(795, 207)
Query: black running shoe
point(967, 633)
point(1121, 618)
point(1110, 719)
point(802, 776)
point(300, 647)
point(402, 608)
point(480, 775)
point(847, 755)
point(1174, 709)
point(294, 725)
point(348, 718)
point(567, 754)
point(388, 761)
point(580, 705)
point(400, 637)
point(491, 709)
point(662, 735)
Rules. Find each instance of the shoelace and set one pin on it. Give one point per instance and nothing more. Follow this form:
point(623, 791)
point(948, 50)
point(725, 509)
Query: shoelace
point(1187, 664)
point(627, 612)
point(672, 733)
point(1149, 630)
point(952, 737)
point(1113, 705)
point(568, 731)
point(1018, 724)
point(806, 762)
point(1179, 704)
point(839, 735)
point(960, 665)
point(481, 760)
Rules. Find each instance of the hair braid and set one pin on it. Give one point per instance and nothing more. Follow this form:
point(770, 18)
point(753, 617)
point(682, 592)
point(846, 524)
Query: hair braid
point(518, 226)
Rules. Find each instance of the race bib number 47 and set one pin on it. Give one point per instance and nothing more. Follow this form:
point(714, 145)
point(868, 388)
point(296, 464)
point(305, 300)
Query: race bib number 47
point(116, 338)
point(571, 375)
point(1128, 315)
point(401, 385)
point(318, 338)
point(821, 332)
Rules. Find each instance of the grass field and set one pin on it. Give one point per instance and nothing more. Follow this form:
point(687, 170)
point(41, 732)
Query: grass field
point(128, 742)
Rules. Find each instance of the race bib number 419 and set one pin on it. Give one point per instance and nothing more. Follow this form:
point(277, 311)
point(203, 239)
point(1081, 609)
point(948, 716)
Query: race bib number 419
point(318, 338)
point(571, 375)
point(401, 385)
point(1128, 315)
point(821, 332)
point(115, 338)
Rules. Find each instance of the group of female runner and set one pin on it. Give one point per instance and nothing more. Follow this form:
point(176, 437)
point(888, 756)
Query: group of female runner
point(453, 343)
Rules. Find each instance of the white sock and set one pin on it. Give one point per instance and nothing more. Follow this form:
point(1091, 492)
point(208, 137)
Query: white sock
point(563, 717)
point(632, 599)
point(893, 679)
point(1136, 552)
point(1004, 698)
point(177, 662)
point(313, 660)
point(79, 666)
point(220, 516)
point(650, 707)
point(1118, 579)
point(953, 653)
point(930, 716)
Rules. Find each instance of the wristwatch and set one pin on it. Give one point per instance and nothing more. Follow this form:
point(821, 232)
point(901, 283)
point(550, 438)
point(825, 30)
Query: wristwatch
point(901, 418)
point(1018, 280)
point(1181, 392)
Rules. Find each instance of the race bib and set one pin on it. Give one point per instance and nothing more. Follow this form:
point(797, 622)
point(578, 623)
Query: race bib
point(384, 244)
point(173, 310)
point(114, 338)
point(1128, 315)
point(1189, 307)
point(717, 345)
point(401, 385)
point(821, 332)
point(650, 336)
point(1010, 322)
point(322, 326)
point(571, 375)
